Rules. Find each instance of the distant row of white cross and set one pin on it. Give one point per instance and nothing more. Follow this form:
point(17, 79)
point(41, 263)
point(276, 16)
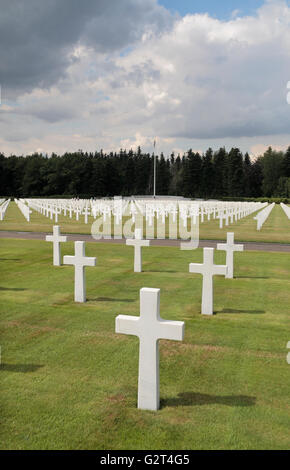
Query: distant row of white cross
point(3, 207)
point(149, 326)
point(53, 210)
point(262, 216)
point(286, 209)
point(23, 208)
point(224, 211)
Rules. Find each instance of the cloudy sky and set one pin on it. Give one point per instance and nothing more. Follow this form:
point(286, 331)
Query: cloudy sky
point(116, 73)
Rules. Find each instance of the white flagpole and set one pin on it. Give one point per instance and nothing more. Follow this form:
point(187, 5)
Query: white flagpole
point(154, 190)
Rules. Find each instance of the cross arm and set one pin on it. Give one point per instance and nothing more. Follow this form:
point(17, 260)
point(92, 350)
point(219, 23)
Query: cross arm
point(67, 259)
point(220, 269)
point(90, 261)
point(127, 325)
point(221, 246)
point(239, 247)
point(196, 268)
point(145, 242)
point(171, 330)
point(137, 242)
point(130, 241)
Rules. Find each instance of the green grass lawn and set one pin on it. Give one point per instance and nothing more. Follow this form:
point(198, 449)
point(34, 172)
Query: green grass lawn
point(275, 229)
point(69, 382)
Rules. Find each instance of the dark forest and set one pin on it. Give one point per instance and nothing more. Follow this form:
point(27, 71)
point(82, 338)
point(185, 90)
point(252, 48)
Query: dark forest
point(214, 174)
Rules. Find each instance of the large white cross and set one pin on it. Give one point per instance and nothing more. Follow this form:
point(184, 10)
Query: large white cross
point(138, 242)
point(230, 247)
point(149, 327)
point(79, 261)
point(208, 269)
point(56, 238)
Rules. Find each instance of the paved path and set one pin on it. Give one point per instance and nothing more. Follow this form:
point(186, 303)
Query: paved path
point(255, 246)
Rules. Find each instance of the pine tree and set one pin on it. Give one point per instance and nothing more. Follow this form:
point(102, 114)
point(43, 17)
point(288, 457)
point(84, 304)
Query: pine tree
point(235, 173)
point(192, 174)
point(220, 173)
point(286, 164)
point(207, 174)
point(162, 176)
point(247, 173)
point(272, 171)
point(256, 178)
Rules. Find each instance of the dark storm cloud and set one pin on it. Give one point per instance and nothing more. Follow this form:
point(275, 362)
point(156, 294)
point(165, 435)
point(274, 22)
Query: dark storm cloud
point(37, 36)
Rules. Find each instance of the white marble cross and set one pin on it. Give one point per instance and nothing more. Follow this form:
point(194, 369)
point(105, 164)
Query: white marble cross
point(221, 218)
point(77, 212)
point(86, 212)
point(149, 327)
point(79, 261)
point(149, 215)
point(174, 213)
point(138, 242)
point(230, 247)
point(56, 238)
point(208, 269)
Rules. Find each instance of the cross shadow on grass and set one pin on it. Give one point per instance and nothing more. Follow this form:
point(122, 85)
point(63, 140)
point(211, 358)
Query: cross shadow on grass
point(236, 310)
point(24, 368)
point(109, 299)
point(252, 277)
point(198, 399)
point(9, 259)
point(158, 271)
point(11, 288)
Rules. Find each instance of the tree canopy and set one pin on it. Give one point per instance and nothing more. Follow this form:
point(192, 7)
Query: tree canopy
point(214, 174)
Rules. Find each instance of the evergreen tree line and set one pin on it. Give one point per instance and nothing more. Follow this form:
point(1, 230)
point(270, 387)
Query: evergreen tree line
point(218, 174)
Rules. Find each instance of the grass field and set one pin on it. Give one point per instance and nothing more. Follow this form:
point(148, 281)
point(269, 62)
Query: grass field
point(275, 229)
point(69, 382)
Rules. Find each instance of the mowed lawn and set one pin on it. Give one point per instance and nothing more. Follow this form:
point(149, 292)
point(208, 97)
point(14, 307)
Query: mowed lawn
point(276, 228)
point(68, 381)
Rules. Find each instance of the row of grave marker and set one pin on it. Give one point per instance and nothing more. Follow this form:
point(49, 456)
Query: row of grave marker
point(263, 215)
point(286, 209)
point(26, 211)
point(225, 212)
point(208, 269)
point(3, 207)
point(149, 326)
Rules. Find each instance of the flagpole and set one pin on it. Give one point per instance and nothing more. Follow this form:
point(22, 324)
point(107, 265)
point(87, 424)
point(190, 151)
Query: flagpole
point(154, 156)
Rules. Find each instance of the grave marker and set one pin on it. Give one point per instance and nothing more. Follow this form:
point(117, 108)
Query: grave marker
point(138, 242)
point(56, 239)
point(208, 269)
point(149, 327)
point(79, 261)
point(230, 247)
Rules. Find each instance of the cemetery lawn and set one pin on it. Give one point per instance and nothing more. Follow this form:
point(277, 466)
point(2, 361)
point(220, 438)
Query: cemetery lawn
point(276, 229)
point(69, 382)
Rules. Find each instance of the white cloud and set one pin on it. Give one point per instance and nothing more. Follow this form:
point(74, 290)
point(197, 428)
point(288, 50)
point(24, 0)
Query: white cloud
point(197, 83)
point(258, 149)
